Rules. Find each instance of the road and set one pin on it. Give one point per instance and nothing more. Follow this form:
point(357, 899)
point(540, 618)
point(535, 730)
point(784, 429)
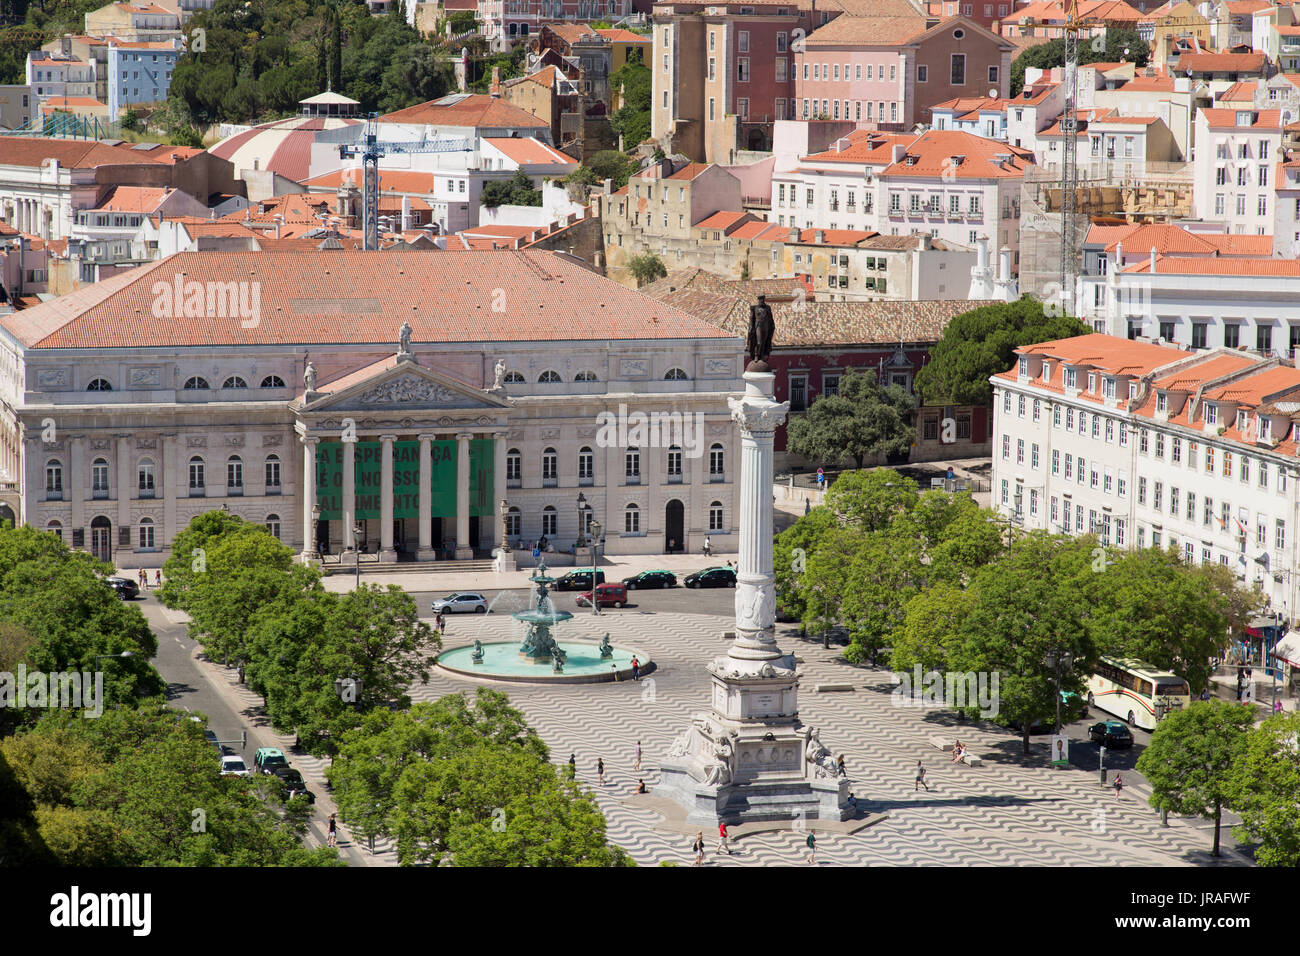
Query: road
point(713, 601)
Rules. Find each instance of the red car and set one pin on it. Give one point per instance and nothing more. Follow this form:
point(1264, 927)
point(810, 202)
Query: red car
point(608, 595)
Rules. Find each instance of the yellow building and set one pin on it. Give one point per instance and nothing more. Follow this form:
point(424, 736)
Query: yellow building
point(1172, 22)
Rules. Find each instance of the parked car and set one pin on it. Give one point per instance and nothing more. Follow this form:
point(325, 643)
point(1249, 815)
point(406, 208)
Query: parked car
point(1111, 733)
point(1073, 706)
point(462, 602)
point(651, 579)
point(712, 578)
point(232, 765)
point(268, 758)
point(607, 595)
point(579, 580)
point(126, 589)
point(294, 783)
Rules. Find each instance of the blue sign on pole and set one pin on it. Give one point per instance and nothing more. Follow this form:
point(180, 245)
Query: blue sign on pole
point(537, 552)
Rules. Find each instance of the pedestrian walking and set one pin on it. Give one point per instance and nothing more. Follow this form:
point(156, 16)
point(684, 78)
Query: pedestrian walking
point(839, 768)
point(334, 832)
point(143, 578)
point(600, 772)
point(1119, 784)
point(807, 505)
point(442, 620)
point(722, 839)
point(157, 578)
point(638, 756)
point(636, 668)
point(573, 767)
point(699, 848)
point(708, 547)
point(920, 778)
point(811, 843)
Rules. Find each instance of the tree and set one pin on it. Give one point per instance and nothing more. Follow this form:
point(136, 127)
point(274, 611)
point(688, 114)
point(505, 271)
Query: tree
point(646, 267)
point(790, 556)
point(607, 164)
point(1117, 45)
point(871, 500)
point(981, 343)
point(634, 82)
point(863, 420)
point(516, 191)
point(1189, 762)
point(1262, 788)
point(462, 21)
point(188, 561)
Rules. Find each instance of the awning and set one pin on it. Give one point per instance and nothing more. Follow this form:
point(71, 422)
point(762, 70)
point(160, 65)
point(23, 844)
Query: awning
point(1288, 649)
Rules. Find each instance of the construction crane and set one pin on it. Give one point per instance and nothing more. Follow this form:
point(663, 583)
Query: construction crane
point(370, 150)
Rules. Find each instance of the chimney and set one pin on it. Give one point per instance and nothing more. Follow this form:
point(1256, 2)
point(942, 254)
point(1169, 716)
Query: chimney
point(1004, 265)
point(898, 152)
point(982, 254)
point(406, 213)
point(279, 221)
point(794, 234)
point(819, 236)
point(1152, 270)
point(1119, 256)
point(923, 242)
point(496, 81)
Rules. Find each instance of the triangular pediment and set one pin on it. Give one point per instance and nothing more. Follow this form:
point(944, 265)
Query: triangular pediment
point(404, 385)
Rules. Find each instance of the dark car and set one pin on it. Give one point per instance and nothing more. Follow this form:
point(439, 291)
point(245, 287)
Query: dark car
point(293, 783)
point(712, 578)
point(651, 579)
point(579, 580)
point(126, 588)
point(1111, 733)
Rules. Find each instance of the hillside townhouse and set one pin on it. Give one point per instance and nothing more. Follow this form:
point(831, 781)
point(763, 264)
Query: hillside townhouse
point(1110, 148)
point(986, 15)
point(1235, 167)
point(1151, 92)
point(503, 21)
point(134, 22)
point(838, 187)
point(891, 70)
point(1147, 445)
point(140, 72)
point(1107, 247)
point(1286, 208)
point(57, 75)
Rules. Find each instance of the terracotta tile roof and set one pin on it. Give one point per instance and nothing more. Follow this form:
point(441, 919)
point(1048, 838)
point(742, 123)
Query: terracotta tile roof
point(343, 296)
point(132, 199)
point(1173, 240)
point(761, 230)
point(624, 36)
point(1149, 84)
point(75, 153)
point(1222, 62)
point(1254, 389)
point(1227, 119)
point(529, 151)
point(964, 106)
point(847, 30)
point(698, 280)
point(143, 44)
point(473, 110)
point(571, 32)
point(390, 180)
point(1287, 31)
point(689, 171)
point(973, 31)
point(1243, 91)
point(864, 146)
point(1248, 6)
point(934, 148)
point(1188, 378)
point(724, 220)
point(834, 237)
point(1222, 266)
point(54, 102)
point(1104, 352)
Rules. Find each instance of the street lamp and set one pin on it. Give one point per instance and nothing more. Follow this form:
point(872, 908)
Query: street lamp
point(582, 506)
point(596, 529)
point(357, 531)
point(1059, 661)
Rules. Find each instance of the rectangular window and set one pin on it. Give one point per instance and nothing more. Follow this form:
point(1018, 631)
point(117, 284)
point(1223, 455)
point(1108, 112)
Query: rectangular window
point(958, 70)
point(922, 73)
point(1263, 474)
point(1209, 459)
point(1081, 469)
point(1121, 485)
point(1069, 466)
point(1033, 456)
point(1006, 447)
point(1056, 461)
point(1156, 489)
point(1142, 490)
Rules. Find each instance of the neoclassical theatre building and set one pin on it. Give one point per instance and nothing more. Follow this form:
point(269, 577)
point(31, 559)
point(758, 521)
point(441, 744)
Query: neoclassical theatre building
point(407, 394)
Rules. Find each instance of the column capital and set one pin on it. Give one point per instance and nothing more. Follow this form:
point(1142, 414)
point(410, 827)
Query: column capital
point(501, 435)
point(427, 436)
point(388, 438)
point(310, 439)
point(464, 436)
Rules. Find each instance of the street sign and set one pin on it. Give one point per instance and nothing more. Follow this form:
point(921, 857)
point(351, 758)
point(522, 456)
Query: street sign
point(537, 552)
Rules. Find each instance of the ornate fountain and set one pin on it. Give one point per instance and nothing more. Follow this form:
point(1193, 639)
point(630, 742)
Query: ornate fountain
point(540, 645)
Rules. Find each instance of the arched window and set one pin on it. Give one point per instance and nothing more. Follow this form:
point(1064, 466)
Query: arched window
point(632, 519)
point(586, 465)
point(273, 381)
point(514, 468)
point(272, 474)
point(550, 521)
point(234, 382)
point(586, 375)
point(675, 375)
point(146, 534)
point(55, 527)
point(550, 467)
point(99, 385)
point(675, 463)
point(196, 477)
point(99, 478)
point(234, 475)
point(549, 377)
point(145, 478)
point(523, 29)
point(717, 461)
point(196, 382)
point(514, 29)
point(715, 516)
point(513, 521)
point(273, 526)
point(632, 466)
point(54, 480)
point(514, 378)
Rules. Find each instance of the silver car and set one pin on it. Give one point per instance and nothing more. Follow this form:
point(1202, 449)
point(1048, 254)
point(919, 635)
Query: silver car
point(462, 602)
point(232, 765)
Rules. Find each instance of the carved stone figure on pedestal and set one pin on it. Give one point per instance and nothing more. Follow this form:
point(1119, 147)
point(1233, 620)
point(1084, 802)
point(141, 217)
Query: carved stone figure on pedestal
point(819, 755)
point(309, 377)
point(499, 375)
point(606, 649)
point(477, 656)
point(762, 328)
point(404, 339)
point(717, 772)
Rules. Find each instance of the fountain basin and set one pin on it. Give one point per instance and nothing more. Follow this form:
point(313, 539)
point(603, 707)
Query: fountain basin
point(502, 661)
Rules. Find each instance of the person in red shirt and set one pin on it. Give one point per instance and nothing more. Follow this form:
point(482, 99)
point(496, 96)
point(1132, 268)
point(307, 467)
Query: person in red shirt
point(722, 838)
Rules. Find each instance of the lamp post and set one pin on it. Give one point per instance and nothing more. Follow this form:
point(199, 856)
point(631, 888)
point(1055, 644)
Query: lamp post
point(1059, 661)
point(582, 506)
point(596, 529)
point(356, 548)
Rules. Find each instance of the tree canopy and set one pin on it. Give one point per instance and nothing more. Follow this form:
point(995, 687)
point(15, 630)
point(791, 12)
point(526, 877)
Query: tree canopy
point(1117, 45)
point(516, 191)
point(865, 420)
point(634, 82)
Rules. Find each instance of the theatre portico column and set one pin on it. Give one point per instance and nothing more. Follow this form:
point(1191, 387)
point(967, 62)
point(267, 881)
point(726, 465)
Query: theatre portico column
point(349, 506)
point(464, 547)
point(499, 483)
point(426, 498)
point(386, 550)
point(309, 543)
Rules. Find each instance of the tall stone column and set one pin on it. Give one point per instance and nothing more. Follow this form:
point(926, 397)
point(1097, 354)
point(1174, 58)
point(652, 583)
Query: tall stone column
point(426, 498)
point(499, 483)
point(310, 545)
point(172, 480)
point(464, 547)
point(349, 507)
point(124, 488)
point(76, 489)
point(386, 550)
point(758, 417)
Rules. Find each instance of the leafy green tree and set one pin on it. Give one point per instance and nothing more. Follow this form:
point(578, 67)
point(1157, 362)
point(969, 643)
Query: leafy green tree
point(606, 164)
point(932, 630)
point(981, 343)
point(1118, 44)
point(634, 82)
point(187, 565)
point(790, 556)
point(462, 20)
point(884, 574)
point(864, 420)
point(1189, 762)
point(871, 500)
point(646, 267)
point(16, 41)
point(824, 585)
point(516, 191)
point(1262, 788)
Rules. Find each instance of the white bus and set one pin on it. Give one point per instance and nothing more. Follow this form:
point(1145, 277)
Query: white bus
point(1136, 692)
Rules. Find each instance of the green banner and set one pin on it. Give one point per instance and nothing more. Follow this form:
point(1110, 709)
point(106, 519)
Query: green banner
point(406, 478)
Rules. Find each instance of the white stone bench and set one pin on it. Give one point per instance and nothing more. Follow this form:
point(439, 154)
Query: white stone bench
point(947, 743)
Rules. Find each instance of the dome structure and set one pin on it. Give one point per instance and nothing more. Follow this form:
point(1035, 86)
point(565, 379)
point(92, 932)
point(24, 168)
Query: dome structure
point(284, 146)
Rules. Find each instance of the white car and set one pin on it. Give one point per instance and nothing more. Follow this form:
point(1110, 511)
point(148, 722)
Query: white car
point(462, 602)
point(232, 765)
